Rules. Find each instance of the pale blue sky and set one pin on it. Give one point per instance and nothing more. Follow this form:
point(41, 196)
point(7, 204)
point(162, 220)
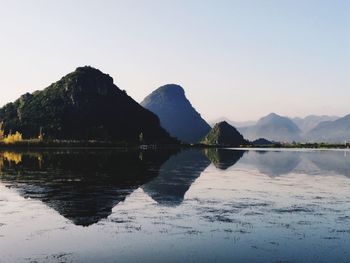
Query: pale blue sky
point(240, 59)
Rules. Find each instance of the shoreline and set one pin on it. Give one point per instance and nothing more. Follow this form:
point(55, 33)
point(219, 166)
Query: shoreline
point(81, 145)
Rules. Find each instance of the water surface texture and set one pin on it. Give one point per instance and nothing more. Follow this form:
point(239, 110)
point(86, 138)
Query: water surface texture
point(211, 205)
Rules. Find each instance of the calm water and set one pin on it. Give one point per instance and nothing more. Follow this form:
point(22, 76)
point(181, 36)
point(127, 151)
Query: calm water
point(170, 206)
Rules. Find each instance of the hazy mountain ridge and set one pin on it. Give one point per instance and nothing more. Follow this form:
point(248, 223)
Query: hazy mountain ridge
point(273, 127)
point(337, 131)
point(176, 113)
point(236, 124)
point(312, 128)
point(310, 122)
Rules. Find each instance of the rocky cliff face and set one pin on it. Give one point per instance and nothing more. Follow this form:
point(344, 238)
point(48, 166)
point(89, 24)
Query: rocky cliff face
point(176, 113)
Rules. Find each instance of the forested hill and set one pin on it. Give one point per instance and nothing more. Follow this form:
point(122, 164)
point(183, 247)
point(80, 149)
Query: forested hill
point(84, 104)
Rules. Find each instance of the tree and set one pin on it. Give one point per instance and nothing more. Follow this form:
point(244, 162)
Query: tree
point(2, 132)
point(141, 137)
point(41, 135)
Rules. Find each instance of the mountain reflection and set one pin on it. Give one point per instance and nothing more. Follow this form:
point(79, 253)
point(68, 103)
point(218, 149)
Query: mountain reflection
point(335, 162)
point(278, 163)
point(273, 163)
point(223, 158)
point(176, 176)
point(82, 186)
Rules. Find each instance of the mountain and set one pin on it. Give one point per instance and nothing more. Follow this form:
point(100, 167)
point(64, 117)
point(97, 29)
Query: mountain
point(84, 104)
point(223, 158)
point(262, 142)
point(272, 163)
point(224, 134)
point(176, 113)
point(176, 176)
point(232, 123)
point(273, 127)
point(309, 122)
point(81, 185)
point(337, 131)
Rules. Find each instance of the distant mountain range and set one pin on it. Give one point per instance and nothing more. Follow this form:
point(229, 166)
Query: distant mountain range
point(337, 131)
point(84, 104)
point(176, 113)
point(236, 124)
point(273, 127)
point(309, 122)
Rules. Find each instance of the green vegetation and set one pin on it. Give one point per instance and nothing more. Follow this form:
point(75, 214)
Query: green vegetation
point(85, 108)
point(84, 105)
point(223, 134)
point(10, 138)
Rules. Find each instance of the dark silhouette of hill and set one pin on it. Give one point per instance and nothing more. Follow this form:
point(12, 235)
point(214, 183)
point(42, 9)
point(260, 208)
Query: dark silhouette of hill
point(273, 127)
point(84, 104)
point(337, 131)
point(224, 134)
point(176, 113)
point(262, 142)
point(84, 185)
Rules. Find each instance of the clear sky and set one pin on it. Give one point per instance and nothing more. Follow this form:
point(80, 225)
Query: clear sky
point(239, 59)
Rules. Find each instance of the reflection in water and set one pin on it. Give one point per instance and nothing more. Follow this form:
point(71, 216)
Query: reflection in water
point(176, 176)
point(272, 163)
point(335, 162)
point(223, 158)
point(277, 163)
point(82, 186)
point(11, 157)
point(236, 215)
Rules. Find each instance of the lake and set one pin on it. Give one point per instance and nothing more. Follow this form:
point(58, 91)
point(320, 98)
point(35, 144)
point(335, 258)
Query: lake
point(210, 205)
